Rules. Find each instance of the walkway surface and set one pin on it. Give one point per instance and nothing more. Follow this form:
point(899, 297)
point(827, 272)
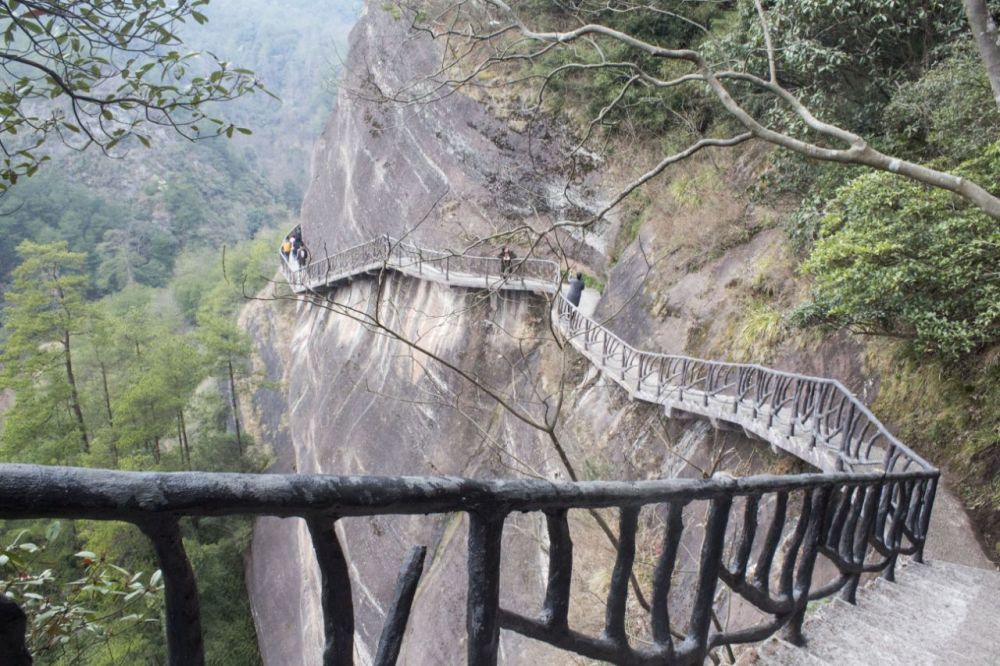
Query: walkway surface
point(815, 419)
point(935, 614)
point(940, 613)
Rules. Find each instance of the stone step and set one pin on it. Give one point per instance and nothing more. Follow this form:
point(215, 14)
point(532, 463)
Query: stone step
point(777, 652)
point(936, 613)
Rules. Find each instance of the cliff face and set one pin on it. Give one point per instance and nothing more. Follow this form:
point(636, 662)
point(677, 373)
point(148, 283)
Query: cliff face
point(357, 401)
point(396, 144)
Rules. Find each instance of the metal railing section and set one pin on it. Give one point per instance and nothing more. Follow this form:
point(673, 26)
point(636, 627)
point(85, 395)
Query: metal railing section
point(782, 407)
point(815, 418)
point(761, 537)
point(386, 252)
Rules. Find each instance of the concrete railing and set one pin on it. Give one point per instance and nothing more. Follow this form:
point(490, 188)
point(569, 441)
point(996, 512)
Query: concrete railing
point(387, 253)
point(816, 419)
point(760, 536)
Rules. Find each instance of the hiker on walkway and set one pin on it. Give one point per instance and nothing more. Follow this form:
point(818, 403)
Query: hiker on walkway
point(286, 248)
point(506, 261)
point(302, 255)
point(575, 290)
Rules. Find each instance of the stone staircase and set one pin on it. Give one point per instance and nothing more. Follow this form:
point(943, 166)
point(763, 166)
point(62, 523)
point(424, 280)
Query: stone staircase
point(935, 614)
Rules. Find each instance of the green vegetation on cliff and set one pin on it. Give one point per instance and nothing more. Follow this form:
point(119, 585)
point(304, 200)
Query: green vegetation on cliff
point(119, 345)
point(908, 270)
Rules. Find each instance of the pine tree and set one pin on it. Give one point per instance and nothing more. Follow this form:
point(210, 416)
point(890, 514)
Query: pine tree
point(45, 312)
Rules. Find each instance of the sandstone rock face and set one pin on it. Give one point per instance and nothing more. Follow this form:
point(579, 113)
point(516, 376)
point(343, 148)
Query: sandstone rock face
point(356, 401)
point(380, 166)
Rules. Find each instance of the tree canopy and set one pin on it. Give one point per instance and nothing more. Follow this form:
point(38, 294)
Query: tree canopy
point(103, 72)
point(768, 79)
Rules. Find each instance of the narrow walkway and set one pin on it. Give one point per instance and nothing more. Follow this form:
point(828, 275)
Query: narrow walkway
point(935, 613)
point(815, 419)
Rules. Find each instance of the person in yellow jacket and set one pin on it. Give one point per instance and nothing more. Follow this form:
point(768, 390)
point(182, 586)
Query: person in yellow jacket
point(286, 247)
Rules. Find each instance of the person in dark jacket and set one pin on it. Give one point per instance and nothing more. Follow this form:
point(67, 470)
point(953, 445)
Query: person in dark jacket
point(506, 261)
point(575, 290)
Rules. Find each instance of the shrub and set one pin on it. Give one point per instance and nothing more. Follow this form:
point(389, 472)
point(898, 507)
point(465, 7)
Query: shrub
point(895, 258)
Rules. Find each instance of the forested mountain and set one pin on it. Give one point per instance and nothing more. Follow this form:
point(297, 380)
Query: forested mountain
point(119, 345)
point(148, 204)
point(118, 339)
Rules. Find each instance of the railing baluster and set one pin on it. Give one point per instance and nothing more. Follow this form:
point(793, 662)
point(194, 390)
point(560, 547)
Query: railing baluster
point(555, 610)
point(391, 639)
point(482, 616)
point(614, 625)
point(335, 585)
point(925, 517)
point(762, 573)
point(839, 508)
point(896, 530)
point(845, 546)
point(708, 576)
point(854, 551)
point(803, 578)
point(663, 575)
point(185, 646)
point(786, 578)
point(747, 536)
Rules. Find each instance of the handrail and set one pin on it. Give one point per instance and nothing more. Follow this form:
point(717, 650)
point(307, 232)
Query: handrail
point(815, 418)
point(761, 536)
point(387, 252)
point(859, 522)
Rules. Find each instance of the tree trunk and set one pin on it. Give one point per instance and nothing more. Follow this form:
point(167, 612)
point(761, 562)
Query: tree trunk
point(984, 29)
point(111, 420)
point(74, 397)
point(182, 430)
point(236, 407)
point(107, 394)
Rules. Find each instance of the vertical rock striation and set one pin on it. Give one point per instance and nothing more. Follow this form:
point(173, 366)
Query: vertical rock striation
point(354, 401)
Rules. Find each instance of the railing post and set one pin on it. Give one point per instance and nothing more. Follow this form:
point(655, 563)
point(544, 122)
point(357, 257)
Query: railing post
point(900, 489)
point(555, 611)
point(391, 640)
point(925, 517)
point(803, 577)
point(482, 619)
point(696, 644)
point(184, 640)
point(614, 622)
point(861, 537)
point(335, 583)
point(447, 268)
point(663, 575)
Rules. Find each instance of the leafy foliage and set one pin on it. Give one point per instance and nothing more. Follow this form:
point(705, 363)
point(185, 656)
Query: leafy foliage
point(844, 57)
point(71, 621)
point(898, 259)
point(949, 112)
point(100, 73)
